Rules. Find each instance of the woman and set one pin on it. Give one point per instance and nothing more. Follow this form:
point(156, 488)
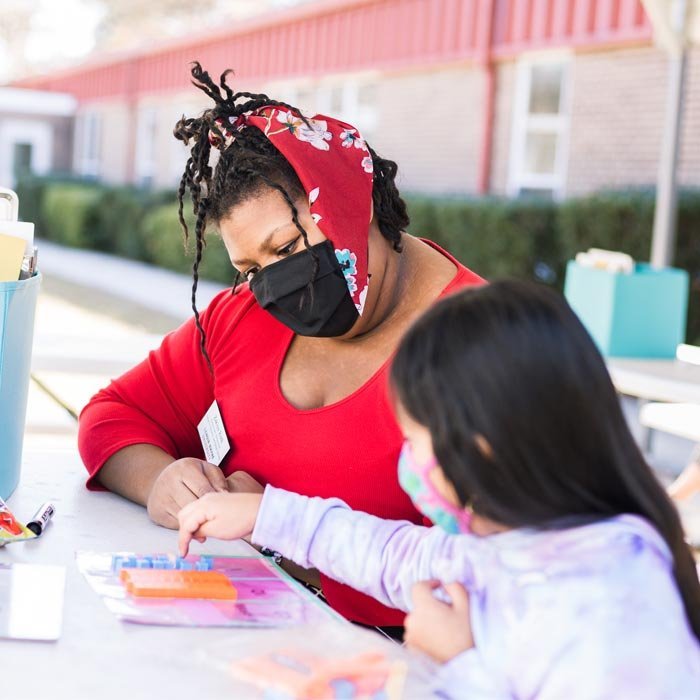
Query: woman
point(297, 359)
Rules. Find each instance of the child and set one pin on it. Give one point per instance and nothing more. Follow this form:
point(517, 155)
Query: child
point(578, 581)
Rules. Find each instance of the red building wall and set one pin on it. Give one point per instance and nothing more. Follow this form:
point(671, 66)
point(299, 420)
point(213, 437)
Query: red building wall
point(339, 36)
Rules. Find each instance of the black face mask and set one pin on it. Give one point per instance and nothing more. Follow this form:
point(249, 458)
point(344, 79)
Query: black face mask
point(282, 290)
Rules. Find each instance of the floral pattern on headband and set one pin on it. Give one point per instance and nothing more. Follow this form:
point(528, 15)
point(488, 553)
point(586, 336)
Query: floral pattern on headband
point(313, 131)
point(362, 298)
point(348, 262)
point(350, 138)
point(313, 196)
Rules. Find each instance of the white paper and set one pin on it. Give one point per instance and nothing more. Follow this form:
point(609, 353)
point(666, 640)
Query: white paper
point(213, 435)
point(31, 601)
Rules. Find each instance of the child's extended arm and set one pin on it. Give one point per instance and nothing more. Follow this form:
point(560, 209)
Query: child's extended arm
point(382, 558)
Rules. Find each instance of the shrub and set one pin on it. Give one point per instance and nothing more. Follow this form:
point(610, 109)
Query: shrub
point(533, 239)
point(68, 214)
point(489, 236)
point(162, 235)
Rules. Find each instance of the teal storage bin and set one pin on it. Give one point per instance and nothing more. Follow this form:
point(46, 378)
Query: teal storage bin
point(642, 314)
point(17, 309)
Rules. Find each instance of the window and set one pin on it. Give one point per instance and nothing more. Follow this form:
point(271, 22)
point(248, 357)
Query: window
point(540, 128)
point(145, 156)
point(22, 160)
point(304, 100)
point(365, 108)
point(353, 102)
point(26, 145)
point(88, 128)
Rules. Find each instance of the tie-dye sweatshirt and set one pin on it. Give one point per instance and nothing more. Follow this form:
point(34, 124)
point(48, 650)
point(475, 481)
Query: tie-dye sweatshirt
point(590, 612)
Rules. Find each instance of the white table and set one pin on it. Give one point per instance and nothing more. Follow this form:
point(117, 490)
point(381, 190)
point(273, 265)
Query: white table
point(666, 381)
point(99, 656)
point(656, 380)
point(682, 419)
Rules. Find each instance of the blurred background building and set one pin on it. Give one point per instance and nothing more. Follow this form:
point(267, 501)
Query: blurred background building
point(507, 97)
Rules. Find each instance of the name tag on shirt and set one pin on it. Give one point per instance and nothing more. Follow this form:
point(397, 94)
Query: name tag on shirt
point(213, 435)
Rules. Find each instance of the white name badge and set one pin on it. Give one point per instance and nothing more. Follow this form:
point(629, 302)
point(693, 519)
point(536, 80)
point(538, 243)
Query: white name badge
point(213, 435)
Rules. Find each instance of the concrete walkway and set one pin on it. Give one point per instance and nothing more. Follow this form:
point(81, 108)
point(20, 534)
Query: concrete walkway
point(155, 290)
point(97, 316)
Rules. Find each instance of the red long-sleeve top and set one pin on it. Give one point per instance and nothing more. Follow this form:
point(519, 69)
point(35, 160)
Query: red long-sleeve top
point(313, 452)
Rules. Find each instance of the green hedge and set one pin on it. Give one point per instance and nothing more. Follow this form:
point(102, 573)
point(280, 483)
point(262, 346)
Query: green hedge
point(534, 239)
point(68, 213)
point(525, 238)
point(162, 236)
point(487, 234)
point(133, 223)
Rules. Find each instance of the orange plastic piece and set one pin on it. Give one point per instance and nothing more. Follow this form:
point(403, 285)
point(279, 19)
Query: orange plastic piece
point(163, 583)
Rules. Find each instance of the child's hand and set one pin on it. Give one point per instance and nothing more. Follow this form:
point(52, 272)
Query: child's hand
point(440, 630)
point(226, 516)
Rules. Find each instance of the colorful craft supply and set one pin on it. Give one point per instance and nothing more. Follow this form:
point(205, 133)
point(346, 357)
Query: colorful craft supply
point(159, 583)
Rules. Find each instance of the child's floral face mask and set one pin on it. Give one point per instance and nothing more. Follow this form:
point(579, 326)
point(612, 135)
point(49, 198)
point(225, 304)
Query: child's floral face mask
point(415, 481)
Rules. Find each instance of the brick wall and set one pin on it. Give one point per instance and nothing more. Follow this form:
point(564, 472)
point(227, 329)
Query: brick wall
point(689, 168)
point(617, 120)
point(430, 124)
point(503, 122)
point(116, 124)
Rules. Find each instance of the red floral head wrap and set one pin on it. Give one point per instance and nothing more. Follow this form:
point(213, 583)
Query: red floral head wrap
point(334, 166)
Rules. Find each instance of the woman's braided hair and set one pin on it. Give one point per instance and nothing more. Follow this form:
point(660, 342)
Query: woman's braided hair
point(249, 164)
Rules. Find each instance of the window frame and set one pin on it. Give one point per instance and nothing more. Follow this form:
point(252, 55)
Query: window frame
point(524, 122)
point(146, 145)
point(88, 128)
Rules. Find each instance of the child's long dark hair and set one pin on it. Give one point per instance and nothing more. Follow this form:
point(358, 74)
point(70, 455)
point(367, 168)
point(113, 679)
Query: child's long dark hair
point(511, 363)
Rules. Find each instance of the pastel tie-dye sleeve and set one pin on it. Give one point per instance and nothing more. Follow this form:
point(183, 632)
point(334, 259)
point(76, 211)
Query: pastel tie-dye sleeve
point(382, 558)
point(466, 678)
point(598, 658)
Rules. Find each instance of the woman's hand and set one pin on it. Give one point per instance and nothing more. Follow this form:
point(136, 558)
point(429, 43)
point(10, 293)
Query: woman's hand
point(440, 630)
point(226, 516)
point(242, 482)
point(180, 483)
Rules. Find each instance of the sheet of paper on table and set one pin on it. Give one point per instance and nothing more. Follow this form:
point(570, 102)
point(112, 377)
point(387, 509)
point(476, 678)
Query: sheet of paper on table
point(11, 254)
point(265, 596)
point(31, 601)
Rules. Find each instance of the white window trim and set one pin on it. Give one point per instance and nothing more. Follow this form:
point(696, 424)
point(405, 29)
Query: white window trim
point(523, 122)
point(364, 116)
point(146, 146)
point(37, 102)
point(87, 164)
point(38, 134)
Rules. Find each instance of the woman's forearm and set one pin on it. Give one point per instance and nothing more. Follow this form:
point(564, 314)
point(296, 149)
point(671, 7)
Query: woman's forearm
point(131, 471)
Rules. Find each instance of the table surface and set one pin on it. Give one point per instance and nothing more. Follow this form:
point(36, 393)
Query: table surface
point(656, 380)
point(98, 655)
